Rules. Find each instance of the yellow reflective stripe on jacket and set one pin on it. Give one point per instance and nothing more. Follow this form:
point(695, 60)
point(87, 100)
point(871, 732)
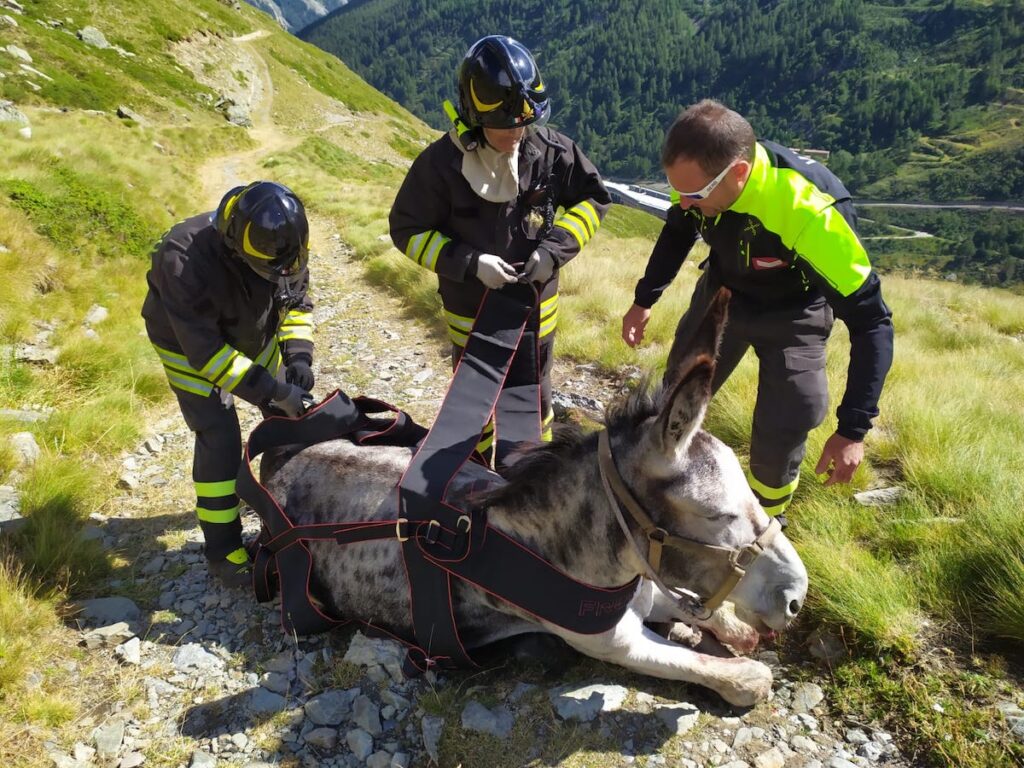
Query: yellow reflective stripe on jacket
point(225, 369)
point(425, 247)
point(296, 325)
point(458, 328)
point(181, 375)
point(581, 221)
point(545, 426)
point(548, 316)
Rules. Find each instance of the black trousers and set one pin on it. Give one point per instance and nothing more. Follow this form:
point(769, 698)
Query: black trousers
point(792, 388)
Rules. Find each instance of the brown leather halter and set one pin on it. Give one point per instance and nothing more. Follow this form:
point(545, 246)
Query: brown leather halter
point(692, 604)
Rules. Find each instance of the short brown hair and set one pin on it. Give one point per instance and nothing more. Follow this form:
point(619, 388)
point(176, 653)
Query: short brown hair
point(709, 133)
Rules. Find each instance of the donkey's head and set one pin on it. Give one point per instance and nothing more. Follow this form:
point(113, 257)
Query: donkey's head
point(691, 487)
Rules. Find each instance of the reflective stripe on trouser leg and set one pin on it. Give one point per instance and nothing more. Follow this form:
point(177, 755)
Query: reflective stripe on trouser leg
point(773, 499)
point(218, 452)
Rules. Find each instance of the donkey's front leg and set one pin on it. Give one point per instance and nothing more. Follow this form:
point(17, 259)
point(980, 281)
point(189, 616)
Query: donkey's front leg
point(723, 623)
point(742, 682)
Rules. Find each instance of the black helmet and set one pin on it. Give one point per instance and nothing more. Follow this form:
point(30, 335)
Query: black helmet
point(265, 225)
point(500, 85)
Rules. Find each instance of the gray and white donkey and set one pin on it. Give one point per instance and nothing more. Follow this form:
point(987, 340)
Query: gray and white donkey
point(688, 482)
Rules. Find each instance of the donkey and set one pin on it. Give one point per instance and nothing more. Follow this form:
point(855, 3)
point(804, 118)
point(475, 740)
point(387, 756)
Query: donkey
point(688, 482)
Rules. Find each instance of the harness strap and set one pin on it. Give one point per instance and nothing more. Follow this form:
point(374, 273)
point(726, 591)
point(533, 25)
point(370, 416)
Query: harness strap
point(490, 348)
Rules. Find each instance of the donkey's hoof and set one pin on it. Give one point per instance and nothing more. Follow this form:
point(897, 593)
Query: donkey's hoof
point(749, 683)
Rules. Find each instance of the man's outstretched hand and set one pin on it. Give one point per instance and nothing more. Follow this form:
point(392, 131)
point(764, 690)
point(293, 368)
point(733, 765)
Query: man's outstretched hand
point(840, 458)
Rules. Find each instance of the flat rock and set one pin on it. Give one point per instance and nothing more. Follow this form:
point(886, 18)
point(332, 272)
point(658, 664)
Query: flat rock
point(323, 738)
point(585, 703)
point(18, 53)
point(109, 636)
point(130, 652)
point(432, 727)
point(192, 657)
point(92, 36)
point(680, 718)
point(330, 707)
point(108, 738)
point(104, 611)
point(366, 715)
point(360, 742)
point(497, 722)
point(264, 702)
point(203, 760)
point(369, 651)
point(879, 497)
point(11, 114)
point(806, 697)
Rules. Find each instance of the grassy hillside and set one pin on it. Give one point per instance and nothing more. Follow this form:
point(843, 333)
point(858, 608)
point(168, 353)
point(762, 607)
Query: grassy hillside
point(83, 198)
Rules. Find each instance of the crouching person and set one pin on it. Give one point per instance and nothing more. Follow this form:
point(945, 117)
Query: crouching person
point(228, 313)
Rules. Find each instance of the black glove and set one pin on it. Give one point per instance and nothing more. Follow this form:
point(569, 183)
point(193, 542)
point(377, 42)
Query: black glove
point(288, 399)
point(300, 374)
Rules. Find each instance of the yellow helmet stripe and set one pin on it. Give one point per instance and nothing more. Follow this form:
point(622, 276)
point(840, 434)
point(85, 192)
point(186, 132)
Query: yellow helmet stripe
point(479, 104)
point(249, 248)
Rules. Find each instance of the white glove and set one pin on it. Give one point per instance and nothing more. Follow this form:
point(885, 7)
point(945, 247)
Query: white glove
point(539, 267)
point(288, 398)
point(494, 272)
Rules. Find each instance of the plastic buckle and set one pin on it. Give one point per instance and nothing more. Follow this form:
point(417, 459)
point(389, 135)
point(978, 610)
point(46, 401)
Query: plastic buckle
point(433, 531)
point(400, 529)
point(464, 524)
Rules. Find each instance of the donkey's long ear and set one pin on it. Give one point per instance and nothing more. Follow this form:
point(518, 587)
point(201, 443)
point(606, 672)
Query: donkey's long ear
point(706, 339)
point(684, 408)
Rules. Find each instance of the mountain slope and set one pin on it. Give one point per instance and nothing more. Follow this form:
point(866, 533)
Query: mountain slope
point(293, 15)
point(867, 80)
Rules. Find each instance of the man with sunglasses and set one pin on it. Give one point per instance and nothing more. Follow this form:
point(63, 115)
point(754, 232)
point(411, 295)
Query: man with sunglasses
point(479, 207)
point(228, 314)
point(781, 229)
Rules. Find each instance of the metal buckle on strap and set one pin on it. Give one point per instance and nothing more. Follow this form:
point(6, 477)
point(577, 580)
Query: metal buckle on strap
point(433, 531)
point(464, 524)
point(744, 558)
point(400, 529)
point(658, 534)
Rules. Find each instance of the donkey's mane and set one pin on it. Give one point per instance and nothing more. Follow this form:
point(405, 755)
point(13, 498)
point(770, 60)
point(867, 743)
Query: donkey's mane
point(529, 477)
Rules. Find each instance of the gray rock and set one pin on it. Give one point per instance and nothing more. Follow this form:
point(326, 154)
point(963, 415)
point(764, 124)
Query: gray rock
point(839, 762)
point(735, 764)
point(432, 728)
point(370, 651)
point(193, 657)
point(680, 718)
point(1016, 727)
point(153, 444)
point(108, 637)
point(871, 750)
point(772, 758)
point(380, 759)
point(856, 736)
point(11, 114)
point(91, 533)
point(806, 697)
point(128, 482)
point(400, 760)
point(26, 449)
point(19, 53)
point(132, 760)
point(108, 738)
point(11, 519)
point(126, 113)
point(276, 682)
point(283, 662)
point(360, 742)
point(801, 743)
point(104, 611)
point(827, 646)
point(585, 703)
point(10, 21)
point(322, 738)
point(61, 760)
point(130, 652)
point(331, 707)
point(14, 414)
point(238, 114)
point(264, 702)
point(83, 753)
point(92, 36)
point(497, 722)
point(366, 715)
point(879, 497)
point(154, 566)
point(35, 353)
point(96, 315)
point(203, 760)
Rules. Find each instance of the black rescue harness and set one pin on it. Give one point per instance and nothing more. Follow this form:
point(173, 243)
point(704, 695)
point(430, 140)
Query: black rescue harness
point(444, 539)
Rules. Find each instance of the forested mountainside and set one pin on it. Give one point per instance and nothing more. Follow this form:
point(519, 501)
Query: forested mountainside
point(914, 99)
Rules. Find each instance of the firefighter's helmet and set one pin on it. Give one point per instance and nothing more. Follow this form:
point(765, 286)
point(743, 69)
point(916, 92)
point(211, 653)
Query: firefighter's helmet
point(500, 85)
point(265, 225)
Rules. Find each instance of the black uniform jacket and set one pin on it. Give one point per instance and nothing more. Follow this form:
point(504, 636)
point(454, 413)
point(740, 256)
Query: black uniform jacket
point(442, 224)
point(207, 305)
point(789, 239)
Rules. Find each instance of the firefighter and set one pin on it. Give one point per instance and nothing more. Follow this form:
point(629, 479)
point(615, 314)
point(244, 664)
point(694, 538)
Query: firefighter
point(228, 313)
point(781, 229)
point(479, 207)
